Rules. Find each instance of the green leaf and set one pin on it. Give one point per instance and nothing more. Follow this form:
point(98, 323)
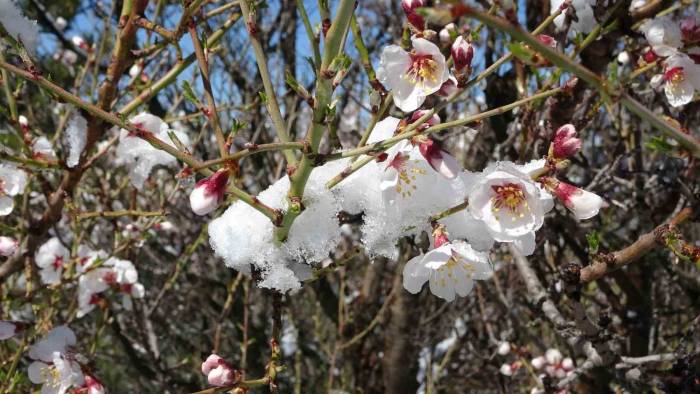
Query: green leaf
point(659, 144)
point(188, 92)
point(593, 239)
point(522, 52)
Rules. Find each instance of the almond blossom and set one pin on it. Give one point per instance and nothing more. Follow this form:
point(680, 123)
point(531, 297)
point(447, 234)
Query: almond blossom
point(412, 76)
point(208, 193)
point(42, 149)
point(92, 386)
point(8, 246)
point(51, 258)
point(690, 29)
point(12, 182)
point(114, 273)
point(54, 366)
point(663, 35)
point(681, 78)
point(510, 203)
point(451, 268)
point(554, 364)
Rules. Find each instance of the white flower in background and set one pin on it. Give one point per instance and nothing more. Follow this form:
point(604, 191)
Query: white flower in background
point(208, 193)
point(42, 149)
point(127, 278)
point(8, 246)
point(50, 258)
point(12, 182)
point(135, 70)
point(554, 364)
point(503, 348)
point(637, 4)
point(219, 372)
point(681, 78)
point(61, 23)
point(510, 203)
point(17, 25)
point(451, 268)
point(412, 76)
point(582, 203)
point(663, 35)
point(90, 284)
point(57, 376)
point(623, 57)
point(9, 329)
point(140, 155)
point(584, 13)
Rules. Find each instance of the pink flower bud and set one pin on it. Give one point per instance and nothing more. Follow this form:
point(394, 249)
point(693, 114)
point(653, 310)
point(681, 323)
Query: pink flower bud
point(565, 143)
point(416, 20)
point(506, 370)
point(567, 364)
point(213, 361)
point(410, 5)
point(547, 40)
point(208, 193)
point(8, 246)
point(462, 53)
point(504, 348)
point(80, 43)
point(218, 372)
point(583, 204)
point(23, 121)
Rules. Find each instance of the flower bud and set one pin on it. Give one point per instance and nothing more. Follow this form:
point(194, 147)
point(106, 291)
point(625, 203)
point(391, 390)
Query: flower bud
point(504, 348)
point(416, 20)
point(462, 53)
point(506, 370)
point(218, 372)
point(134, 70)
point(61, 23)
point(410, 5)
point(623, 57)
point(565, 143)
point(208, 193)
point(441, 161)
point(547, 40)
point(92, 386)
point(8, 246)
point(23, 122)
point(567, 364)
point(446, 33)
point(538, 362)
point(650, 56)
point(80, 43)
point(583, 204)
point(553, 356)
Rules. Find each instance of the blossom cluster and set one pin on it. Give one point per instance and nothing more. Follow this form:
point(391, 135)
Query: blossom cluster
point(400, 192)
point(552, 364)
point(676, 45)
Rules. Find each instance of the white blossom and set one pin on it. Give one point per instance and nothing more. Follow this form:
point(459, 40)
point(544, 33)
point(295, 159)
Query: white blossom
point(42, 149)
point(510, 203)
point(450, 268)
point(51, 258)
point(412, 76)
point(57, 376)
point(681, 78)
point(663, 35)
